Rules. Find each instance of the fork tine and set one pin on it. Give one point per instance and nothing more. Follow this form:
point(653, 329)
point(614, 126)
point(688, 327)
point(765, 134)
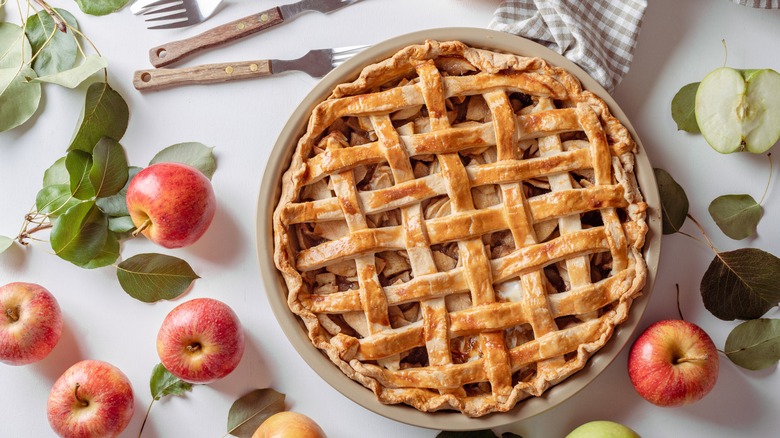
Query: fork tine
point(173, 25)
point(342, 54)
point(340, 50)
point(174, 8)
point(176, 16)
point(160, 3)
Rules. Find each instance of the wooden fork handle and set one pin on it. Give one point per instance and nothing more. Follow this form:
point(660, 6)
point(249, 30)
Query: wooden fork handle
point(155, 79)
point(176, 50)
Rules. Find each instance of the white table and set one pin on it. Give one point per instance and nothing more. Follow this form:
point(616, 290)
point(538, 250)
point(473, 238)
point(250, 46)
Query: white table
point(680, 42)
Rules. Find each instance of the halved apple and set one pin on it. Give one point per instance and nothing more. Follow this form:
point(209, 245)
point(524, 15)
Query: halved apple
point(739, 110)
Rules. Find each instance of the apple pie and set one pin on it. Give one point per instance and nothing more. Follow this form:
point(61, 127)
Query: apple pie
point(461, 229)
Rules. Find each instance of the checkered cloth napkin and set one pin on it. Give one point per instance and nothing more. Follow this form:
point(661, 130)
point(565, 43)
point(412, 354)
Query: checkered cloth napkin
point(598, 35)
point(762, 4)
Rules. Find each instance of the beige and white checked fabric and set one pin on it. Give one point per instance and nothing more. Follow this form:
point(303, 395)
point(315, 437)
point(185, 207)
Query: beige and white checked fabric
point(598, 35)
point(761, 4)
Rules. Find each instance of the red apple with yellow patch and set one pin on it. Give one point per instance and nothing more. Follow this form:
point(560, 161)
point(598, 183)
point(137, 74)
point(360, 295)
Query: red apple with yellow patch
point(91, 399)
point(201, 341)
point(172, 204)
point(31, 323)
point(673, 363)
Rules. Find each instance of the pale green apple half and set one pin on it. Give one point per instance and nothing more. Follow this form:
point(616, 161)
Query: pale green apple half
point(739, 110)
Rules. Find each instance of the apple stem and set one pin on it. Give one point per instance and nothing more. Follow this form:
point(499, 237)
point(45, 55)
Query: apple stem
point(143, 226)
point(146, 417)
point(83, 402)
point(690, 359)
point(12, 313)
point(195, 346)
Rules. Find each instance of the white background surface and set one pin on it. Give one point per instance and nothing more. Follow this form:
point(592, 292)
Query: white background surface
point(680, 42)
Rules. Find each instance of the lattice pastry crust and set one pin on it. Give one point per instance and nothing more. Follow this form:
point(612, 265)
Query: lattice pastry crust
point(461, 229)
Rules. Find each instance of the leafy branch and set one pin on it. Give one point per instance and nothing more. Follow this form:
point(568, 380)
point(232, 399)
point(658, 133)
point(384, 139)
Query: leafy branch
point(739, 284)
point(81, 208)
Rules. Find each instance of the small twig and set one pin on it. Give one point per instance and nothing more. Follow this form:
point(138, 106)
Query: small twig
point(146, 417)
point(61, 25)
point(704, 233)
point(679, 310)
point(766, 189)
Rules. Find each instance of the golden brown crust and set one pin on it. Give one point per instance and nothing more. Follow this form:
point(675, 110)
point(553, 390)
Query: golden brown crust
point(461, 229)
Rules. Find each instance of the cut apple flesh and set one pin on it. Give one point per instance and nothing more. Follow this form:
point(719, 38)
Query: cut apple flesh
point(763, 100)
point(739, 112)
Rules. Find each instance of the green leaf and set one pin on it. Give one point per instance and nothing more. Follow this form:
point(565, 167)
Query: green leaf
point(116, 205)
point(109, 168)
point(755, 344)
point(79, 164)
point(15, 48)
point(5, 243)
point(101, 7)
point(55, 200)
point(57, 173)
point(73, 77)
point(120, 224)
point(79, 235)
point(674, 202)
point(468, 434)
point(155, 277)
point(248, 412)
point(195, 154)
point(736, 215)
point(57, 51)
point(741, 284)
point(683, 106)
point(105, 114)
point(164, 383)
point(106, 256)
point(18, 99)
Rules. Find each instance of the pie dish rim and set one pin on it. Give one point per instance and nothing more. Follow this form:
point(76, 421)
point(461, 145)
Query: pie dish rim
point(277, 291)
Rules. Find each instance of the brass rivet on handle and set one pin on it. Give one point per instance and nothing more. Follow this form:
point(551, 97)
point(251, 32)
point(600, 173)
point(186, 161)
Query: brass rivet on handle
point(264, 17)
point(253, 67)
point(229, 70)
point(241, 26)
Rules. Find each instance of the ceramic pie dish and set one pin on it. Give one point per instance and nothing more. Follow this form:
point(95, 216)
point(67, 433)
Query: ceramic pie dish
point(459, 229)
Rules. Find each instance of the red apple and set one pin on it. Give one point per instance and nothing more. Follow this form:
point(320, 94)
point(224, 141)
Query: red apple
point(31, 323)
point(91, 399)
point(673, 363)
point(172, 204)
point(201, 341)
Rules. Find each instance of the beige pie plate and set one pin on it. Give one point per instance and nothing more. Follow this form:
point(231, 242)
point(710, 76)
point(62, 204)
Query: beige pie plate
point(277, 292)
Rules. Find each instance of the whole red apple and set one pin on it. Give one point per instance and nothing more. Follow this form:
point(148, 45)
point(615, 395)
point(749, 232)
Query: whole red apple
point(201, 341)
point(91, 399)
point(31, 323)
point(673, 363)
point(172, 204)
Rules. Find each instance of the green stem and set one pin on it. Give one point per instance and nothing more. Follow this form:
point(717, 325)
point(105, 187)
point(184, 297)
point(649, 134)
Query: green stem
point(766, 189)
point(146, 417)
point(61, 25)
point(709, 242)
